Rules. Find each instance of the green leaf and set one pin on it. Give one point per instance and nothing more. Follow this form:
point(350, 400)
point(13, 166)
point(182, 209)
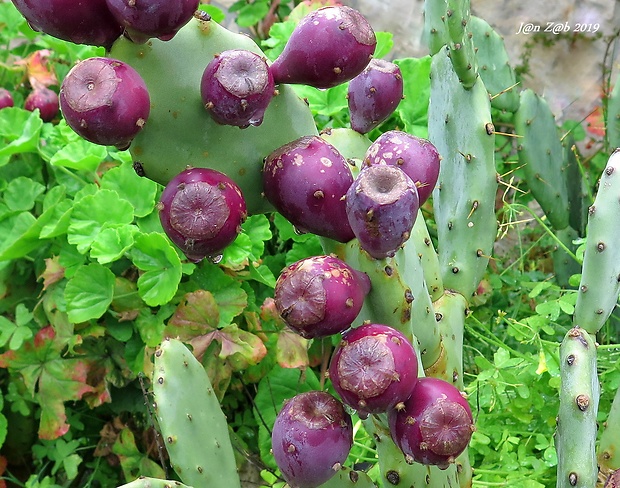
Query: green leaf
point(112, 243)
point(329, 102)
point(93, 213)
point(21, 193)
point(20, 130)
point(81, 155)
point(153, 254)
point(89, 293)
point(217, 15)
point(413, 109)
point(12, 334)
point(229, 295)
point(140, 192)
point(385, 43)
point(252, 13)
point(197, 314)
point(537, 290)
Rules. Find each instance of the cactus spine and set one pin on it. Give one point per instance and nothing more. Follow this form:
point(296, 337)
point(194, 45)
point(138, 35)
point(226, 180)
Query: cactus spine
point(191, 420)
point(576, 429)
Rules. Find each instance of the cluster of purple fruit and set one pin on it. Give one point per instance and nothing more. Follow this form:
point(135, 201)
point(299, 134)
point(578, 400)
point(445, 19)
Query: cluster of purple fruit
point(42, 98)
point(374, 370)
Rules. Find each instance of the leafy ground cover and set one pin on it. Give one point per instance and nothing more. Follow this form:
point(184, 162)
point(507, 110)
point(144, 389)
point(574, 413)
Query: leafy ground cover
point(90, 285)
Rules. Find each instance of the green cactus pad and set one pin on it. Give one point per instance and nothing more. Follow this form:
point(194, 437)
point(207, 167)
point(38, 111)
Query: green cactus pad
point(428, 257)
point(435, 33)
point(578, 195)
point(579, 395)
point(349, 478)
point(191, 421)
point(600, 277)
point(493, 66)
point(541, 154)
point(608, 449)
point(144, 482)
point(460, 127)
point(613, 116)
point(460, 42)
point(180, 132)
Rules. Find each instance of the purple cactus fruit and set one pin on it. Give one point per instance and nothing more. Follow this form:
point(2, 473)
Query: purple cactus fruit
point(306, 180)
point(435, 424)
point(382, 205)
point(320, 296)
point(374, 94)
point(311, 439)
point(6, 99)
point(415, 156)
point(374, 368)
point(144, 19)
point(105, 101)
point(45, 100)
point(329, 46)
point(76, 21)
point(201, 211)
point(236, 88)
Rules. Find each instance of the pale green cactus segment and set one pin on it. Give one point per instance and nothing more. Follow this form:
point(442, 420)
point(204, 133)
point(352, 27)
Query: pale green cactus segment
point(600, 277)
point(190, 418)
point(608, 453)
point(435, 33)
point(565, 265)
point(349, 478)
point(579, 199)
point(179, 131)
point(541, 154)
point(612, 123)
point(428, 257)
point(395, 471)
point(579, 396)
point(460, 42)
point(398, 297)
point(460, 127)
point(145, 482)
point(493, 66)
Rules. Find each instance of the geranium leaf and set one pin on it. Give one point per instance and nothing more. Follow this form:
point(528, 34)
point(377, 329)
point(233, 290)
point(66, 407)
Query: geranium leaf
point(131, 187)
point(197, 314)
point(89, 292)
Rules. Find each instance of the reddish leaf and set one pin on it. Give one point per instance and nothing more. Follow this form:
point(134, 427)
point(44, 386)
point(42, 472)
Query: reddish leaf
point(53, 272)
point(197, 314)
point(595, 122)
point(292, 350)
point(3, 465)
point(52, 379)
point(38, 69)
point(239, 347)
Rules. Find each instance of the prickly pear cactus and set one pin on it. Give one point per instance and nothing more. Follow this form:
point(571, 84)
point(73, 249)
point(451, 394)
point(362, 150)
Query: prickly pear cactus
point(192, 423)
point(600, 278)
point(579, 396)
point(613, 116)
point(144, 482)
point(542, 156)
point(180, 132)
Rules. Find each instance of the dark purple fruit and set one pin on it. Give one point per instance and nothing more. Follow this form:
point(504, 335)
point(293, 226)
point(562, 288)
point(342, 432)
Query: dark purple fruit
point(434, 426)
point(320, 296)
point(415, 156)
point(82, 22)
point(311, 439)
point(374, 94)
point(236, 88)
point(306, 180)
point(6, 99)
point(144, 19)
point(374, 368)
point(201, 211)
point(329, 46)
point(45, 100)
point(105, 101)
point(382, 205)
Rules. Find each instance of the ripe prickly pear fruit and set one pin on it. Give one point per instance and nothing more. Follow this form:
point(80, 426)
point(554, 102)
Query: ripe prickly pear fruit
point(201, 211)
point(45, 100)
point(105, 101)
point(6, 99)
point(306, 180)
point(145, 19)
point(435, 424)
point(374, 368)
point(320, 296)
point(236, 88)
point(415, 156)
point(382, 205)
point(72, 20)
point(329, 46)
point(374, 94)
point(311, 438)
